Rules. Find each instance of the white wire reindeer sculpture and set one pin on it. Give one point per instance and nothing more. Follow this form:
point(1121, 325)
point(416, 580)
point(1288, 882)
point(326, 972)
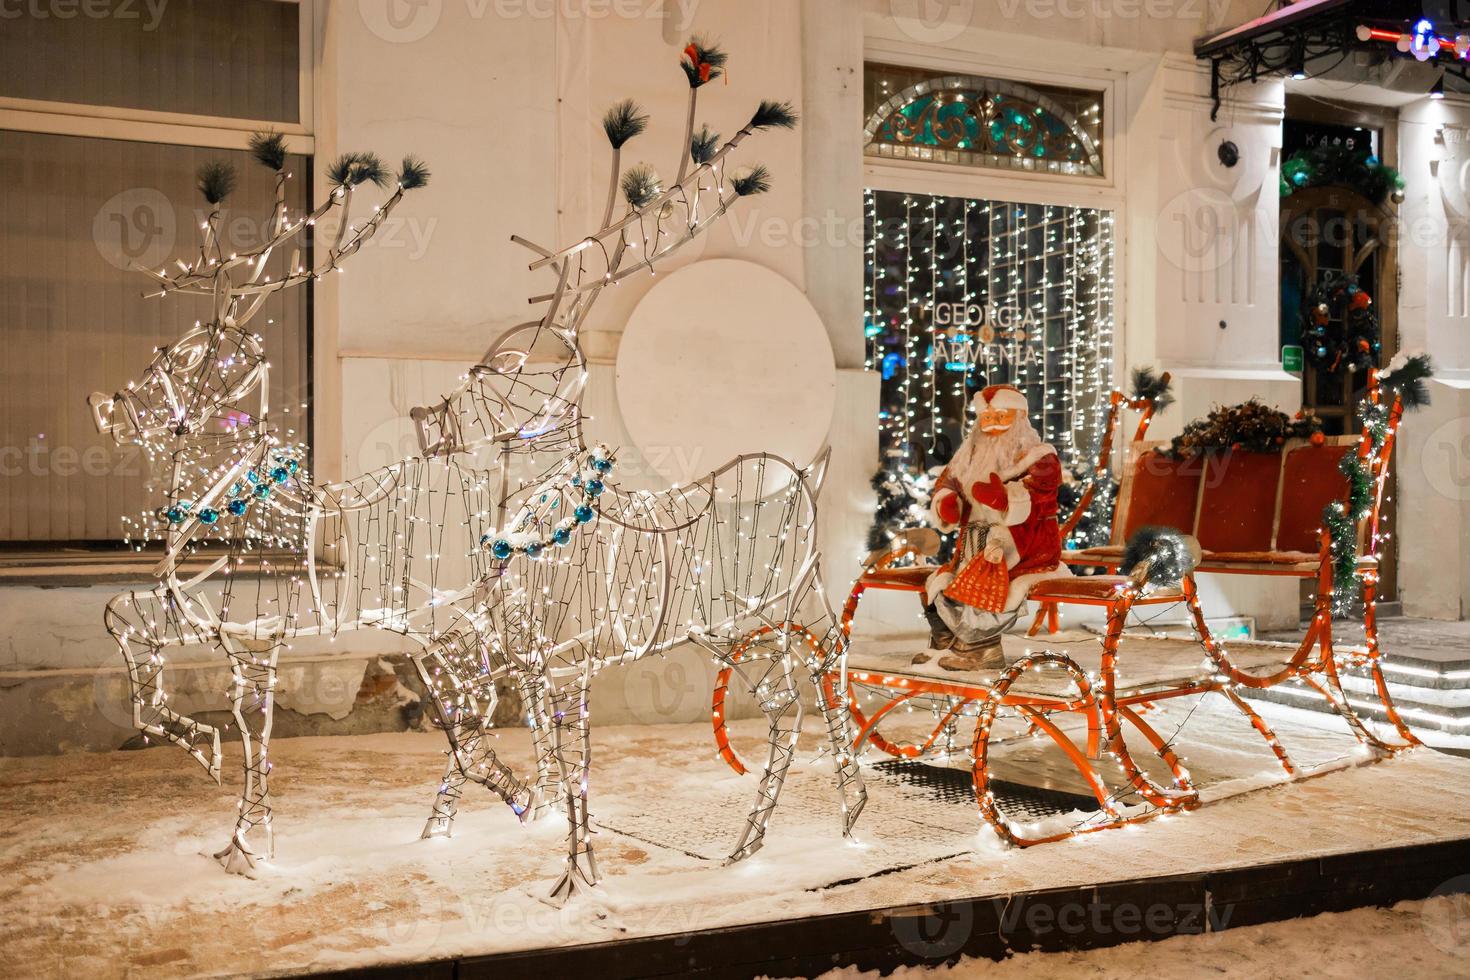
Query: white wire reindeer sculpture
point(293, 559)
point(584, 574)
point(580, 575)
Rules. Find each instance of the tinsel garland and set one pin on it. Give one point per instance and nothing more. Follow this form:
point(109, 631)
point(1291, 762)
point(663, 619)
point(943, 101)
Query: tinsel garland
point(1249, 426)
point(1403, 381)
point(1095, 527)
point(1339, 325)
point(903, 502)
point(1327, 165)
point(1342, 535)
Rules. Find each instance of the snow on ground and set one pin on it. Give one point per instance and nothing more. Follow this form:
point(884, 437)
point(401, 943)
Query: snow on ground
point(1425, 940)
point(103, 866)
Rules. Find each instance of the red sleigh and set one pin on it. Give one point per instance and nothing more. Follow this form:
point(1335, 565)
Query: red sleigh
point(1271, 526)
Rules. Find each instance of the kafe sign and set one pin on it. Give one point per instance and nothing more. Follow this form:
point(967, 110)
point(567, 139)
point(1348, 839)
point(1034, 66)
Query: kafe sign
point(974, 334)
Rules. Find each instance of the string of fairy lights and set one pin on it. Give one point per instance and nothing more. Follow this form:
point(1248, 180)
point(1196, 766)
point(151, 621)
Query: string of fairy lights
point(963, 293)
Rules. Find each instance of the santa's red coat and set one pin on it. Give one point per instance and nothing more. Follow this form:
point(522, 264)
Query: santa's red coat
point(1030, 488)
point(1038, 538)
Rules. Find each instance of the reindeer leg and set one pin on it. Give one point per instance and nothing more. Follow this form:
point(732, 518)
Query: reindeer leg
point(446, 802)
point(781, 703)
point(252, 699)
point(851, 793)
point(548, 789)
point(471, 755)
point(573, 751)
point(127, 620)
point(451, 787)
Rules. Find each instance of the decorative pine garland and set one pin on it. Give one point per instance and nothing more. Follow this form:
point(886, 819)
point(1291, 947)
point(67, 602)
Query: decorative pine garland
point(1249, 426)
point(1327, 165)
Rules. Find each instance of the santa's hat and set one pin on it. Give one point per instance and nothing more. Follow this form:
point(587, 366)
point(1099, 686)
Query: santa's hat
point(999, 398)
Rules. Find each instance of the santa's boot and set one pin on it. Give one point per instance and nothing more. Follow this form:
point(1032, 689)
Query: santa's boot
point(985, 654)
point(940, 635)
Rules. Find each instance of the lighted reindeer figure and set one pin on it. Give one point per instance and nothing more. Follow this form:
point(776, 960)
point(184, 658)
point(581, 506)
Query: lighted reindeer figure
point(294, 559)
point(587, 575)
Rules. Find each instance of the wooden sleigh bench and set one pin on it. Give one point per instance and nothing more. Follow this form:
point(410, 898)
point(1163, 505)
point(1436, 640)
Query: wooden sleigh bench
point(1252, 513)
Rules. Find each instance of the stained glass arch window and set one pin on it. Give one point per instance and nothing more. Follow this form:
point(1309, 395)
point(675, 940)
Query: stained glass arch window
point(973, 121)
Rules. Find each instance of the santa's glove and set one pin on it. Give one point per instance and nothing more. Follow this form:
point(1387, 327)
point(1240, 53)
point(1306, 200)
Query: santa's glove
point(947, 507)
point(992, 494)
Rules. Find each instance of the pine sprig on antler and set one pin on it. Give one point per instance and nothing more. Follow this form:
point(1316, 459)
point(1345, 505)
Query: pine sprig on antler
point(680, 208)
point(240, 281)
point(703, 144)
point(772, 113)
point(702, 62)
point(641, 185)
point(269, 149)
point(351, 169)
point(216, 179)
point(413, 174)
point(757, 180)
point(623, 122)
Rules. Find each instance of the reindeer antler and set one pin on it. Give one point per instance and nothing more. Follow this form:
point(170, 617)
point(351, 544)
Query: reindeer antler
point(242, 276)
point(473, 414)
point(675, 210)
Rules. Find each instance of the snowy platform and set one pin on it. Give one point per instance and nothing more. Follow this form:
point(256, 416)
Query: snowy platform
point(102, 858)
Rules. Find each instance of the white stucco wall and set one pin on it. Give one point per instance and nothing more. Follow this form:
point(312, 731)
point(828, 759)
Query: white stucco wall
point(1433, 459)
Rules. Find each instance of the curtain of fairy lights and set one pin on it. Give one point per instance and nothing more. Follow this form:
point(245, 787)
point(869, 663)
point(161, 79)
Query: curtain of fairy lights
point(961, 294)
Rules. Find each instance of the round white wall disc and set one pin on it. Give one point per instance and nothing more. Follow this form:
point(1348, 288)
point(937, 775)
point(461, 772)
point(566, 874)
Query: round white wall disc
point(720, 358)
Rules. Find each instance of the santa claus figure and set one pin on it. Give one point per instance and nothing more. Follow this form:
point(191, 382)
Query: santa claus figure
point(1000, 492)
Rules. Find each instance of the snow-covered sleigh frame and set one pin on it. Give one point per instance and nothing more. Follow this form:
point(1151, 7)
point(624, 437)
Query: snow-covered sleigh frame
point(1310, 510)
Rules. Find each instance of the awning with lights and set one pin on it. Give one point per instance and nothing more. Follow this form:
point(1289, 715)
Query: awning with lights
point(1314, 37)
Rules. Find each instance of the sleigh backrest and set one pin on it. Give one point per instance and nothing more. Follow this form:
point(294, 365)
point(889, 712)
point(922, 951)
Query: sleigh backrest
point(1243, 503)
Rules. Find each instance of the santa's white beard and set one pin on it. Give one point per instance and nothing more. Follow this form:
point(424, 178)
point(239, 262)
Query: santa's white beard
point(984, 454)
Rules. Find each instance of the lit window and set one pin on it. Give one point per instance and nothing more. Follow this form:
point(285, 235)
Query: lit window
point(971, 121)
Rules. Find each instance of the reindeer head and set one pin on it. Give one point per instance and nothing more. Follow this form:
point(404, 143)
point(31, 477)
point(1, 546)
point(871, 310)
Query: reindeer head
point(189, 385)
point(526, 389)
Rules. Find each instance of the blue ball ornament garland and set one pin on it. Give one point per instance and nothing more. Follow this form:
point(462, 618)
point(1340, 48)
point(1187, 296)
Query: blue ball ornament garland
point(243, 493)
point(537, 528)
